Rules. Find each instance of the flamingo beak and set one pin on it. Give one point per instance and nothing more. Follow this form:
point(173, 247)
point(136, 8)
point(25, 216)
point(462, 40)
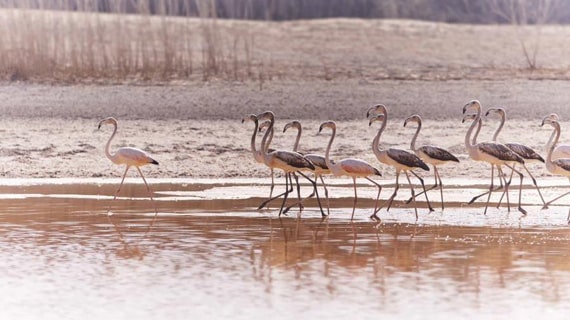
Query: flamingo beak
point(369, 111)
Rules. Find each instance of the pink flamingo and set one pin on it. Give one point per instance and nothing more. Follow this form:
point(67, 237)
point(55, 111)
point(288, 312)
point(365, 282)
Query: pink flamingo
point(555, 166)
point(351, 167)
point(430, 154)
point(317, 160)
point(258, 154)
point(401, 160)
point(288, 161)
point(495, 154)
point(130, 157)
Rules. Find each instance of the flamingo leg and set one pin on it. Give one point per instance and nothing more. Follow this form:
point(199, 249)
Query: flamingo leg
point(535, 184)
point(391, 199)
point(507, 185)
point(315, 191)
point(326, 193)
point(521, 210)
point(289, 189)
point(413, 192)
point(376, 209)
point(436, 175)
point(275, 197)
point(272, 184)
point(440, 187)
point(504, 192)
point(487, 192)
point(118, 190)
point(423, 187)
point(298, 192)
point(490, 189)
point(557, 198)
point(355, 198)
point(151, 199)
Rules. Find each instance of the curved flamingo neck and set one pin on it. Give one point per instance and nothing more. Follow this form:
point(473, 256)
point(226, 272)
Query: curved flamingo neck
point(253, 149)
point(413, 143)
point(556, 132)
point(496, 134)
point(264, 142)
point(327, 153)
point(470, 145)
point(108, 145)
point(299, 131)
point(376, 141)
point(549, 143)
point(474, 139)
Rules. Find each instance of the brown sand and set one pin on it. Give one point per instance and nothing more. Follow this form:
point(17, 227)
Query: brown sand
point(193, 129)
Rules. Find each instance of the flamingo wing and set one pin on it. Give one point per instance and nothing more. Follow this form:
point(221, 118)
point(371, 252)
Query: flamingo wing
point(524, 151)
point(358, 167)
point(318, 161)
point(499, 151)
point(294, 159)
point(438, 153)
point(134, 156)
point(563, 164)
point(407, 158)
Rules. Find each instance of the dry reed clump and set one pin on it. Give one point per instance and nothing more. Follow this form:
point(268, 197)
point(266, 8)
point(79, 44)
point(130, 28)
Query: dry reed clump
point(87, 46)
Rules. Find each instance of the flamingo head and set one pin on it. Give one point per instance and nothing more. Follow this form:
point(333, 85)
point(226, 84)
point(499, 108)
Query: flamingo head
point(293, 124)
point(469, 116)
point(379, 108)
point(413, 118)
point(264, 125)
point(327, 124)
point(250, 117)
point(552, 116)
point(267, 115)
point(109, 120)
point(470, 105)
point(499, 110)
point(550, 119)
point(378, 117)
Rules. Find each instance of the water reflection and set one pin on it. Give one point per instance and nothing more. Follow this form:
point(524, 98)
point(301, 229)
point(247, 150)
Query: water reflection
point(70, 257)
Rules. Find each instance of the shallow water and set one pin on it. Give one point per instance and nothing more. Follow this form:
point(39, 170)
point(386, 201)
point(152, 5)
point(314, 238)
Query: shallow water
point(210, 254)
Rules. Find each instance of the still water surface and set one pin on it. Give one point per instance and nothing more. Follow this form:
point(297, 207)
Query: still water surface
point(62, 257)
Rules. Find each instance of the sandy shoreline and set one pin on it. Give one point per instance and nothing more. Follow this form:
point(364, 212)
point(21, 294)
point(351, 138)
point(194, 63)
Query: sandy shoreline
point(195, 130)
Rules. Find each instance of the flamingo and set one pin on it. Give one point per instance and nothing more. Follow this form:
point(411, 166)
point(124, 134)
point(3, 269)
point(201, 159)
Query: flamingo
point(130, 157)
point(495, 154)
point(472, 116)
point(527, 153)
point(555, 166)
point(258, 154)
point(401, 160)
point(288, 161)
point(561, 151)
point(351, 167)
point(430, 154)
point(317, 160)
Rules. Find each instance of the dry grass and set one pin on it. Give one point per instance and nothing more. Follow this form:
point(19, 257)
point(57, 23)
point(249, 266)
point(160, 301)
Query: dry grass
point(60, 46)
point(70, 46)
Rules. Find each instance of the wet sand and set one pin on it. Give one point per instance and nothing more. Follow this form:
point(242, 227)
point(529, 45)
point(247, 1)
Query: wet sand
point(197, 131)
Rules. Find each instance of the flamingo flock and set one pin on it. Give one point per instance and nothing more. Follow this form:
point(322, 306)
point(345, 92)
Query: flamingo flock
point(499, 156)
point(314, 167)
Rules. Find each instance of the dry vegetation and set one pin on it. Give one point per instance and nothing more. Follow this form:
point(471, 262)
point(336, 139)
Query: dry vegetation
point(83, 46)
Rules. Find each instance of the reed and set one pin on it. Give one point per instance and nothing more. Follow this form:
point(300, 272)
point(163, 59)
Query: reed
point(46, 40)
